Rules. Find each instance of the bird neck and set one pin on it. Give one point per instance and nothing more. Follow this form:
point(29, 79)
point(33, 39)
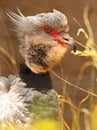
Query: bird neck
point(38, 81)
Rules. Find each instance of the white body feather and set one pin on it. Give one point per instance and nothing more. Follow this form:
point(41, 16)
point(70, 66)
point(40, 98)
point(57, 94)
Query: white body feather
point(23, 105)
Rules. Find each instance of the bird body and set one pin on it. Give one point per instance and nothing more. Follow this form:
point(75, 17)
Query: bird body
point(29, 96)
point(28, 102)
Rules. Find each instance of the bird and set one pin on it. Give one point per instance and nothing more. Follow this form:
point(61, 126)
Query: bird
point(29, 96)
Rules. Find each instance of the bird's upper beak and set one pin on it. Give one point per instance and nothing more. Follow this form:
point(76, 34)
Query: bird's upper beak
point(66, 40)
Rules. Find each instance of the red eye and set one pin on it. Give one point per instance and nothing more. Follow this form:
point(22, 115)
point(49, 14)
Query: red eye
point(47, 29)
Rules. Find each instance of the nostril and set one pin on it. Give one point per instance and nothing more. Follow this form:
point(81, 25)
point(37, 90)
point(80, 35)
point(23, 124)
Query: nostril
point(66, 39)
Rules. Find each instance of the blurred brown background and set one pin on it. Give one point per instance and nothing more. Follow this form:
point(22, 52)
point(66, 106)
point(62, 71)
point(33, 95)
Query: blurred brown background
point(71, 64)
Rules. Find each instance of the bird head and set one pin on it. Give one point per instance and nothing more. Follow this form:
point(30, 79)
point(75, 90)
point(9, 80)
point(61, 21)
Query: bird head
point(44, 38)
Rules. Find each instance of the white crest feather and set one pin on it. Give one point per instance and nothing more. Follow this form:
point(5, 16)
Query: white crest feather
point(20, 12)
point(15, 18)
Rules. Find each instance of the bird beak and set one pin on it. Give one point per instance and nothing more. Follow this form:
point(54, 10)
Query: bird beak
point(69, 41)
point(66, 40)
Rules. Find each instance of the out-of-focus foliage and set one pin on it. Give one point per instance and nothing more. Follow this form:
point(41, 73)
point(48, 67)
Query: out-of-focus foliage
point(47, 124)
point(94, 118)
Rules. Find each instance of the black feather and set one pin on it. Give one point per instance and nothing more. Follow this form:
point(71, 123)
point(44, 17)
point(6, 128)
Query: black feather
point(41, 81)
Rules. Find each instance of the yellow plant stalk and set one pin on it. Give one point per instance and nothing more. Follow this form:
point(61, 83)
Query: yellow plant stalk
point(90, 46)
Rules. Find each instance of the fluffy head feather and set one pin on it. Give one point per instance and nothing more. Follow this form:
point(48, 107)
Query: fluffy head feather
point(43, 37)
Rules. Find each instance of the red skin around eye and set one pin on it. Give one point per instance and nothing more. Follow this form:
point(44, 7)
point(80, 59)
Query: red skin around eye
point(56, 35)
point(53, 33)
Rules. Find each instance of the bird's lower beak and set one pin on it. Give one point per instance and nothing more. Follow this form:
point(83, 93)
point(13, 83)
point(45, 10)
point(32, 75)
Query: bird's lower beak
point(66, 40)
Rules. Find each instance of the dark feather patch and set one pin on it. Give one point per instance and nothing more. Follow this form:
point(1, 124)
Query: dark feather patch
point(41, 82)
